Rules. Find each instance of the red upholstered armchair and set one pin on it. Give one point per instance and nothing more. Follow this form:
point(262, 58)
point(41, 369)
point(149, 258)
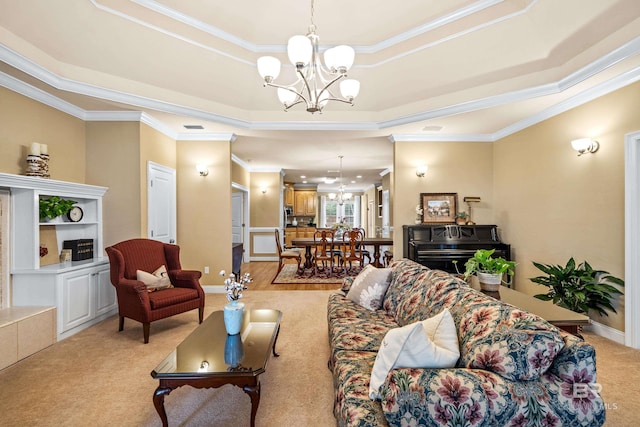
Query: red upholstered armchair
point(134, 300)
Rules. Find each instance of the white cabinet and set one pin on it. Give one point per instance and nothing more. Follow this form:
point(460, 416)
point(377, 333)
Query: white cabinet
point(83, 294)
point(80, 290)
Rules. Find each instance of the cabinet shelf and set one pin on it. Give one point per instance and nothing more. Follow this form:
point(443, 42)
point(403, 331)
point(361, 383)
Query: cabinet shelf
point(64, 267)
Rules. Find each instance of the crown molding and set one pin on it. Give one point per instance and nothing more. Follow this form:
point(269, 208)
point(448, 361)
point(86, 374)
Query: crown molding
point(441, 21)
point(41, 96)
point(416, 137)
point(628, 50)
point(310, 125)
point(208, 136)
point(240, 162)
point(615, 83)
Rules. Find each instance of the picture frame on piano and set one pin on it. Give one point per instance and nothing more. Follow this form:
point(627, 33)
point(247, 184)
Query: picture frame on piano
point(439, 208)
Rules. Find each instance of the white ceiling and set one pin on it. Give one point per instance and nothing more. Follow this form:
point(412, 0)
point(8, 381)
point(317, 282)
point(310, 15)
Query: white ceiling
point(479, 69)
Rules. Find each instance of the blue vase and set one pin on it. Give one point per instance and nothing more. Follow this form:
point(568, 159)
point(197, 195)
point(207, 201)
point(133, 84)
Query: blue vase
point(233, 317)
point(233, 350)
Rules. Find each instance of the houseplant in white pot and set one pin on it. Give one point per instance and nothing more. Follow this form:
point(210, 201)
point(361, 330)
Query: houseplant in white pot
point(489, 270)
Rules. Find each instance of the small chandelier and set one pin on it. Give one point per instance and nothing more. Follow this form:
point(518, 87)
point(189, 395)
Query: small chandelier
point(341, 196)
point(313, 86)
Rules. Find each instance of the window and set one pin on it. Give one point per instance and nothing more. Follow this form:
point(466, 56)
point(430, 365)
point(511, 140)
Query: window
point(332, 212)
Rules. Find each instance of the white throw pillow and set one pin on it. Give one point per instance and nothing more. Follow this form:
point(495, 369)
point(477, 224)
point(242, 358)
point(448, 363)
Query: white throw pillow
point(159, 279)
point(369, 287)
point(431, 343)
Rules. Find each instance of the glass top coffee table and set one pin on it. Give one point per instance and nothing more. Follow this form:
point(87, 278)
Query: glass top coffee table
point(210, 358)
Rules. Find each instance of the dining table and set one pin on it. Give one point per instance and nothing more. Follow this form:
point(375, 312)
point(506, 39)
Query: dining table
point(376, 242)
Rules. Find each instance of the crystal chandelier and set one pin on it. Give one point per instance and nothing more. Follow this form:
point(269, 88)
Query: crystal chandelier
point(341, 196)
point(313, 86)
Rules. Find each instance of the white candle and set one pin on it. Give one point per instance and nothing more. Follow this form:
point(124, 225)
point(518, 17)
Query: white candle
point(35, 149)
point(44, 149)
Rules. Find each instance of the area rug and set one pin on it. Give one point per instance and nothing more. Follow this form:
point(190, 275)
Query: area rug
point(290, 275)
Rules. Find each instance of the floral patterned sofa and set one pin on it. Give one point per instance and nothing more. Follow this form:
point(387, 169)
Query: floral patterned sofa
point(515, 369)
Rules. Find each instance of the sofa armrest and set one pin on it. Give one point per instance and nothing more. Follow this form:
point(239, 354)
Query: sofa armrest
point(460, 396)
point(576, 362)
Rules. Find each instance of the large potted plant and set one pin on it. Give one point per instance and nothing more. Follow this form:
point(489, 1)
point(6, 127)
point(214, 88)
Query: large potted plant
point(489, 270)
point(579, 288)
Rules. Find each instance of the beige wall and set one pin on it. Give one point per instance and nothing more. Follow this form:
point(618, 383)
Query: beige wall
point(204, 207)
point(552, 205)
point(113, 159)
point(465, 168)
point(23, 121)
point(265, 208)
point(239, 175)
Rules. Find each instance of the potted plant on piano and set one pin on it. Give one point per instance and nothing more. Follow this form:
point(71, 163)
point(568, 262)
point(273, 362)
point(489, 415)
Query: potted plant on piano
point(489, 270)
point(462, 218)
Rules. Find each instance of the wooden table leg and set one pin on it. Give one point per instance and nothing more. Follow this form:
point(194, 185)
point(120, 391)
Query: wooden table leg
point(158, 402)
point(376, 256)
point(307, 257)
point(274, 343)
point(254, 394)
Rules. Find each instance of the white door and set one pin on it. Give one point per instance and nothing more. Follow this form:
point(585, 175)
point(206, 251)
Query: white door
point(386, 232)
point(237, 217)
point(161, 203)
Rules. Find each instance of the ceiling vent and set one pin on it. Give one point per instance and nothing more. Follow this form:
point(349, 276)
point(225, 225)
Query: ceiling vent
point(194, 127)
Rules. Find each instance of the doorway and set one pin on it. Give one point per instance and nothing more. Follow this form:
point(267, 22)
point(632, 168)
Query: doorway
point(632, 239)
point(161, 203)
point(240, 217)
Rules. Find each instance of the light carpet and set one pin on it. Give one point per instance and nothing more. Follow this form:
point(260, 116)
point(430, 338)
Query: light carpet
point(100, 377)
point(291, 275)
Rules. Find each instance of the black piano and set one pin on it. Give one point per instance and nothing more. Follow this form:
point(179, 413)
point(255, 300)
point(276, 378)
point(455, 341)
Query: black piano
point(436, 246)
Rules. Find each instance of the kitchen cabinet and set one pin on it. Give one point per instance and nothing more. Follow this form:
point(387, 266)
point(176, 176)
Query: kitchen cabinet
point(289, 199)
point(297, 232)
point(80, 291)
point(305, 203)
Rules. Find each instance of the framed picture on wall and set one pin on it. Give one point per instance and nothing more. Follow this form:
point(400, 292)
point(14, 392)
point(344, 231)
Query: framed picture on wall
point(439, 208)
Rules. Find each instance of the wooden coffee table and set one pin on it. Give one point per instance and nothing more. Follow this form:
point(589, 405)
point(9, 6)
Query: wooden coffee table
point(209, 358)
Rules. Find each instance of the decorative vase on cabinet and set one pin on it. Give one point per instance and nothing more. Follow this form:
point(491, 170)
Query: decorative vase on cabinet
point(233, 317)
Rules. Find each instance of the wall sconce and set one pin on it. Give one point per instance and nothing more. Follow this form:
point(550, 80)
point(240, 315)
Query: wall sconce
point(202, 170)
point(585, 145)
point(421, 171)
point(263, 190)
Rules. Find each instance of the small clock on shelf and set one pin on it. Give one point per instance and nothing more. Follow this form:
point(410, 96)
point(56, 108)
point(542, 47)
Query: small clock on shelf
point(75, 214)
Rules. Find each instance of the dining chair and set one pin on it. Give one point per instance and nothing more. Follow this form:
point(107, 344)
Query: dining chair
point(323, 249)
point(286, 254)
point(365, 252)
point(352, 248)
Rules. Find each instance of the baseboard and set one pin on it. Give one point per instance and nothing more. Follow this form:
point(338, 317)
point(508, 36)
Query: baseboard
point(606, 332)
point(213, 289)
point(263, 258)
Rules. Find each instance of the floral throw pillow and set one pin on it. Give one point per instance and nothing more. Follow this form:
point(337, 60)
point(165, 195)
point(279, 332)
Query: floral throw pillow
point(157, 280)
point(369, 287)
